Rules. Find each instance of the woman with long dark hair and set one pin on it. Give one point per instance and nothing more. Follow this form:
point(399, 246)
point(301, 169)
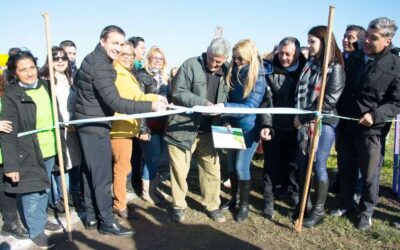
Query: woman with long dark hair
point(27, 104)
point(66, 95)
point(8, 202)
point(307, 94)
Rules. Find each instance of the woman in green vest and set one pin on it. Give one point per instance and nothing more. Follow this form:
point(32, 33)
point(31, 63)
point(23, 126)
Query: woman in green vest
point(27, 104)
point(8, 203)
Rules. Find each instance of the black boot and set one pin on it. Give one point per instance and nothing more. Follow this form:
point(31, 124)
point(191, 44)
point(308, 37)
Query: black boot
point(295, 214)
point(317, 214)
point(234, 201)
point(268, 210)
point(243, 213)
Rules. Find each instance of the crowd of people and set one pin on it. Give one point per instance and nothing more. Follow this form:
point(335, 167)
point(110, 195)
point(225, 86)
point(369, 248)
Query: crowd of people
point(104, 159)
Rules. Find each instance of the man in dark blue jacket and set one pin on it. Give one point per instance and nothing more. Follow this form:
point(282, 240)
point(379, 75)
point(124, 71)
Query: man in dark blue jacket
point(371, 95)
point(97, 96)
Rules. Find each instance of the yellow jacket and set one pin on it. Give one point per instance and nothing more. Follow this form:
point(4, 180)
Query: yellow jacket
point(128, 88)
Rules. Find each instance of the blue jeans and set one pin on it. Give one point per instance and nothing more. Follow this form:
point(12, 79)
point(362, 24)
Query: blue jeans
point(152, 154)
point(239, 161)
point(325, 143)
point(35, 212)
point(56, 186)
point(49, 163)
point(324, 149)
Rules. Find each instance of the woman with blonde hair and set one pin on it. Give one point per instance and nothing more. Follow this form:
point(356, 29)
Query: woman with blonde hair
point(123, 130)
point(153, 79)
point(246, 77)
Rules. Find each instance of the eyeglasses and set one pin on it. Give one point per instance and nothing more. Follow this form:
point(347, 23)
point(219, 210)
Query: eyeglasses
point(58, 58)
point(157, 58)
point(128, 55)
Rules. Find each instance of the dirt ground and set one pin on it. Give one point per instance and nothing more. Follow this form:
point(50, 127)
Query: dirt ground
point(156, 230)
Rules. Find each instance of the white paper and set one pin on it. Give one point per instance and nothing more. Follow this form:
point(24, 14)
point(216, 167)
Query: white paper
point(224, 138)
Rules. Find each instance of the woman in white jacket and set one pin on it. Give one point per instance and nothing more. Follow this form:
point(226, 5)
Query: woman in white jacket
point(66, 96)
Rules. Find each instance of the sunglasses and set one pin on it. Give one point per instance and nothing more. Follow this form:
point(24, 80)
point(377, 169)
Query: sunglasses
point(239, 58)
point(58, 58)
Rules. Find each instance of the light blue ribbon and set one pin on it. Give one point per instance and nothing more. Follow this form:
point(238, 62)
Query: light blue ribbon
point(200, 109)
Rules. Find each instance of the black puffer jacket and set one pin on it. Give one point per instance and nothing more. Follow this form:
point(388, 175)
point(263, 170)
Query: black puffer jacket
point(283, 88)
point(375, 88)
point(22, 154)
point(97, 95)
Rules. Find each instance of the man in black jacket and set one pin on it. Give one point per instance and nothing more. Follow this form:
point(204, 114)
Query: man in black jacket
point(70, 48)
point(371, 96)
point(280, 167)
point(352, 41)
point(139, 50)
point(97, 96)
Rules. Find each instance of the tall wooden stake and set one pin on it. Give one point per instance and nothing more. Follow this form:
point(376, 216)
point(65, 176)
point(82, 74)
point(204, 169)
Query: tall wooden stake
point(57, 129)
point(395, 183)
point(315, 139)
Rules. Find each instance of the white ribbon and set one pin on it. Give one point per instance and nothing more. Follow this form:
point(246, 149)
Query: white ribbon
point(178, 110)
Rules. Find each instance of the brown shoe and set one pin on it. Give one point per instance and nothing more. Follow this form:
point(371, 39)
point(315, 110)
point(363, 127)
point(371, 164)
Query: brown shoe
point(121, 213)
point(148, 193)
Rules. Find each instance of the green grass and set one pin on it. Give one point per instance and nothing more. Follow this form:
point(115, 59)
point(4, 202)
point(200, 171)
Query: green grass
point(260, 233)
point(341, 233)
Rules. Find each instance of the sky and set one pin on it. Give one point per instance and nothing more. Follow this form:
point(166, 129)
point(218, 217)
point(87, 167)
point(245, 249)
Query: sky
point(181, 28)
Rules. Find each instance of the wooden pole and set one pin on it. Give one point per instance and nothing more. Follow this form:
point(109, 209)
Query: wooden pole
point(395, 186)
point(315, 138)
point(57, 129)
